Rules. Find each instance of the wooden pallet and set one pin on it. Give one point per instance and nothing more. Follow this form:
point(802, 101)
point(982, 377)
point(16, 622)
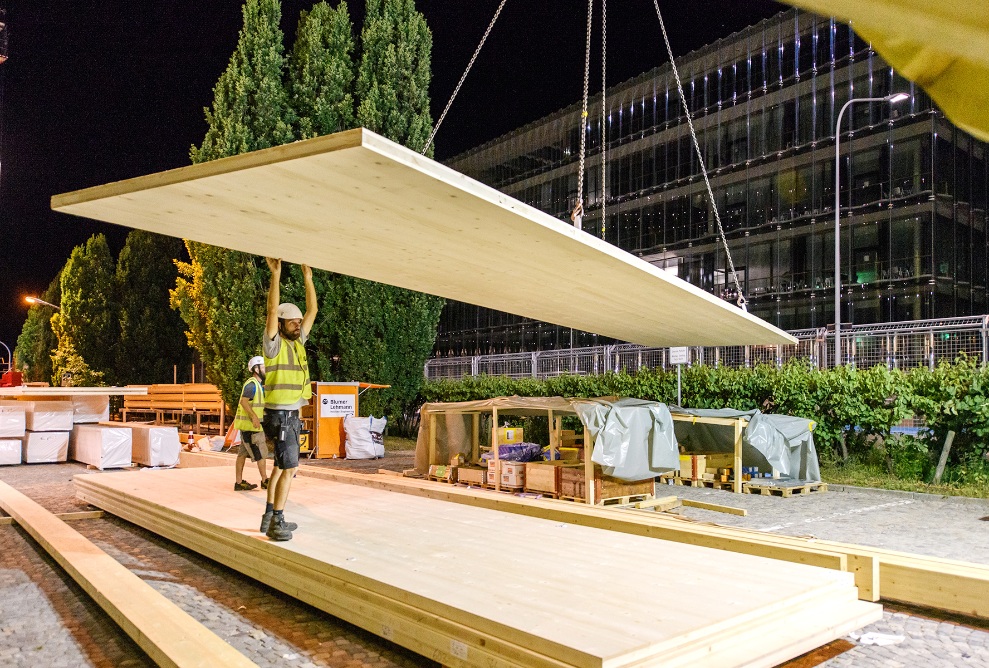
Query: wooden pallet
point(711, 484)
point(437, 478)
point(613, 500)
point(768, 489)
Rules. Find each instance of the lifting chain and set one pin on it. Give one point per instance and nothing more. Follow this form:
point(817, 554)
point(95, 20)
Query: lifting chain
point(577, 215)
point(700, 157)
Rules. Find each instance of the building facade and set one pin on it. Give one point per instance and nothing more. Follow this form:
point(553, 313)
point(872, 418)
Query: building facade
point(764, 103)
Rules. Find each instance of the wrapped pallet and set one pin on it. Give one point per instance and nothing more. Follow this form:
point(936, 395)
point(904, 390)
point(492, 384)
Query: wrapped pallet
point(152, 445)
point(44, 415)
point(45, 447)
point(11, 422)
point(10, 451)
point(102, 447)
point(90, 408)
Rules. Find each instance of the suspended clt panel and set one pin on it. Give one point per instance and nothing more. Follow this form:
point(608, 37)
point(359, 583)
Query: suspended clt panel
point(359, 204)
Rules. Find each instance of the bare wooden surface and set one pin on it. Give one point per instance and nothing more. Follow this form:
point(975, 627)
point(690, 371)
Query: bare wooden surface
point(358, 204)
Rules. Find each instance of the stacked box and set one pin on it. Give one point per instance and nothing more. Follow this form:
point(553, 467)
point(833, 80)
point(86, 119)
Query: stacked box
point(512, 474)
point(12, 422)
point(10, 451)
point(102, 447)
point(573, 484)
point(45, 447)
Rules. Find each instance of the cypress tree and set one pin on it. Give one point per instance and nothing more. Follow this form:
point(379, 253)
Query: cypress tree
point(219, 293)
point(321, 71)
point(386, 334)
point(37, 341)
point(87, 322)
point(151, 333)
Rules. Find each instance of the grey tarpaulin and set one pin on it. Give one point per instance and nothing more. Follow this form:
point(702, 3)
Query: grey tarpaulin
point(779, 441)
point(633, 438)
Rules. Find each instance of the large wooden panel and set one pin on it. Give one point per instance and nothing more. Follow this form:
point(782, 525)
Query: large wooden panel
point(471, 586)
point(358, 204)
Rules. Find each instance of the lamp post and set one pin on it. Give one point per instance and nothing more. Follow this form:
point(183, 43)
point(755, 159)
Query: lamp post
point(892, 99)
point(35, 300)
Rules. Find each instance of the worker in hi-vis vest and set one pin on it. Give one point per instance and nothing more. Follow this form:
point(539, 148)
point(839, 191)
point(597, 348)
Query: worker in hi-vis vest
point(286, 390)
point(253, 443)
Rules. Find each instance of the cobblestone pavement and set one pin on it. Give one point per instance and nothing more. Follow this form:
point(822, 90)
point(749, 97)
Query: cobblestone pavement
point(54, 623)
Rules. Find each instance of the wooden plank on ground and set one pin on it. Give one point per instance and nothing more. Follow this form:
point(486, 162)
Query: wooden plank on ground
point(718, 508)
point(399, 218)
point(163, 630)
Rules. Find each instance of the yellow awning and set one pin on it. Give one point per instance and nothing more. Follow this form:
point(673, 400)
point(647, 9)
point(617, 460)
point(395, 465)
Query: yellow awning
point(942, 45)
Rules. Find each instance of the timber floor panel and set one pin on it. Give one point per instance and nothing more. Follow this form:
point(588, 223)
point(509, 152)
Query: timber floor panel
point(566, 594)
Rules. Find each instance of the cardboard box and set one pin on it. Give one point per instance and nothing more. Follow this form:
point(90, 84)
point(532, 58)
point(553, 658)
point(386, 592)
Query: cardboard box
point(10, 451)
point(508, 435)
point(512, 474)
point(45, 447)
point(443, 471)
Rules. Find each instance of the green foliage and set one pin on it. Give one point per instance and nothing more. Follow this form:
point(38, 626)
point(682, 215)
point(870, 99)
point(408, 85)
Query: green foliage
point(151, 333)
point(219, 293)
point(321, 72)
point(250, 106)
point(72, 369)
point(394, 73)
point(86, 325)
point(221, 300)
point(37, 341)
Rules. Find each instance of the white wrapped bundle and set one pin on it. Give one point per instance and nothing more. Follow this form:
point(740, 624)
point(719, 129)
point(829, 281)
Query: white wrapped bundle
point(152, 445)
point(45, 447)
point(102, 447)
point(44, 415)
point(90, 408)
point(10, 451)
point(11, 422)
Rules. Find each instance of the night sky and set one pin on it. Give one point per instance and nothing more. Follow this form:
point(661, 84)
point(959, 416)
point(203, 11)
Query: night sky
point(98, 91)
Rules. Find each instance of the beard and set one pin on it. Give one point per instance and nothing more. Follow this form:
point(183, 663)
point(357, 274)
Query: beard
point(291, 336)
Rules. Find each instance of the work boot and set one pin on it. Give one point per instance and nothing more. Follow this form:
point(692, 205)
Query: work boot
point(264, 484)
point(244, 486)
point(266, 521)
point(278, 530)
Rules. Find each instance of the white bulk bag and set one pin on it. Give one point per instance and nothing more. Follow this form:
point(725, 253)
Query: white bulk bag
point(365, 437)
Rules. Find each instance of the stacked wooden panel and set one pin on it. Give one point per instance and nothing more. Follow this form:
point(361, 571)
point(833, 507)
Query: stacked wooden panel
point(471, 586)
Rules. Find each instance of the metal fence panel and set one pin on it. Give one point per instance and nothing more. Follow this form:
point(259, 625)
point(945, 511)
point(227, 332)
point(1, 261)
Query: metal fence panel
point(901, 345)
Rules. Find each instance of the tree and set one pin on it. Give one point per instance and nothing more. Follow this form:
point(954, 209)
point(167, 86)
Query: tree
point(394, 74)
point(151, 333)
point(218, 292)
point(386, 334)
point(37, 341)
point(86, 325)
point(321, 72)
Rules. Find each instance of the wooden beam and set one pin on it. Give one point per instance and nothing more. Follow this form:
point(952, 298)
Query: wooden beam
point(65, 517)
point(163, 630)
point(690, 503)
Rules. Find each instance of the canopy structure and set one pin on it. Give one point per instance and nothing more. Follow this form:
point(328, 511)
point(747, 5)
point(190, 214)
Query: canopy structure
point(942, 46)
point(358, 204)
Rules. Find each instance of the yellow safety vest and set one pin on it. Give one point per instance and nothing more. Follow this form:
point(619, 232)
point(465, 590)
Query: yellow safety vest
point(241, 420)
point(287, 376)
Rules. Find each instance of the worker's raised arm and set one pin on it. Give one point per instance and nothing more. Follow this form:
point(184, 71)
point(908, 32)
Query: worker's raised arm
point(310, 317)
point(271, 324)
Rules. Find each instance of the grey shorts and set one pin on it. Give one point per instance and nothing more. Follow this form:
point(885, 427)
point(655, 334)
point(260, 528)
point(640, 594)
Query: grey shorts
point(284, 428)
point(253, 445)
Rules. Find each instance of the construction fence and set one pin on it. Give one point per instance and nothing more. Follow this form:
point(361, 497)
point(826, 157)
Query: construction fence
point(897, 345)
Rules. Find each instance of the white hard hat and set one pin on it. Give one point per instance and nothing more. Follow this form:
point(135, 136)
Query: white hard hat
point(257, 360)
point(288, 311)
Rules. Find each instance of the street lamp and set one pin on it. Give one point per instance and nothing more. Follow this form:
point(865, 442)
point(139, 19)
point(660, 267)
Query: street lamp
point(892, 99)
point(10, 357)
point(35, 300)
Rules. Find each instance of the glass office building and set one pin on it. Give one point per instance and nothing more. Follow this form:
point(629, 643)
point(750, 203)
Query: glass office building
point(764, 103)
